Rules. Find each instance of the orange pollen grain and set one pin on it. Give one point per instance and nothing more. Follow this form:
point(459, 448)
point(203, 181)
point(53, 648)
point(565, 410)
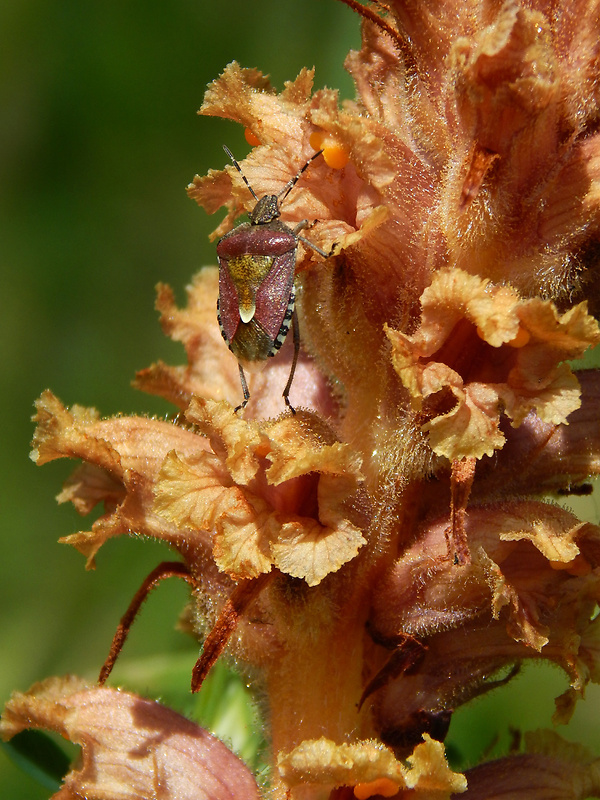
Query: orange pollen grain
point(521, 339)
point(335, 154)
point(578, 566)
point(382, 786)
point(316, 139)
point(251, 138)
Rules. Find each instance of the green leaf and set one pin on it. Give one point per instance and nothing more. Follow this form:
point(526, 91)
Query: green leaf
point(39, 757)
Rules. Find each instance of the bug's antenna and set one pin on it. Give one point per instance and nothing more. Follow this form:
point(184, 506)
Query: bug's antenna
point(239, 169)
point(291, 183)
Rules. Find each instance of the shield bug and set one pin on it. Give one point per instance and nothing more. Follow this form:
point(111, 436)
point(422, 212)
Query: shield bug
point(257, 262)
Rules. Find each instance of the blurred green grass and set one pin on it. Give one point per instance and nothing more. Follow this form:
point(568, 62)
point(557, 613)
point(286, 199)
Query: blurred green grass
point(98, 139)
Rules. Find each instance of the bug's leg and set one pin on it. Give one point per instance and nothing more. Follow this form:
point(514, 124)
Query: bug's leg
point(302, 226)
point(245, 390)
point(314, 247)
point(288, 386)
point(167, 569)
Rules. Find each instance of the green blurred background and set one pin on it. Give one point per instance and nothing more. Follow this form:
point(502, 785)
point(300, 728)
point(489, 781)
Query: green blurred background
point(98, 139)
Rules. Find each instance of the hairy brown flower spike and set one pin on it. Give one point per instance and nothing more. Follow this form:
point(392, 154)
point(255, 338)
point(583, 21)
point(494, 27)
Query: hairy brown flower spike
point(387, 554)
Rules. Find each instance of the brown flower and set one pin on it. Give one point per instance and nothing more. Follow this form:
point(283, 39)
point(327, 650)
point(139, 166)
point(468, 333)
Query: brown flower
point(384, 555)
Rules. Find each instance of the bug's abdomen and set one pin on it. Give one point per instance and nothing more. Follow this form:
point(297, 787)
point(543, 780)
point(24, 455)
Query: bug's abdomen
point(251, 346)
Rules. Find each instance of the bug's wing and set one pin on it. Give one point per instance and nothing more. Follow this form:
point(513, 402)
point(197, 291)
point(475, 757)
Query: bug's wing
point(229, 304)
point(273, 294)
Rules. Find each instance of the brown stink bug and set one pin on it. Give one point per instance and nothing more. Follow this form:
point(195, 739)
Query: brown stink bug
point(257, 262)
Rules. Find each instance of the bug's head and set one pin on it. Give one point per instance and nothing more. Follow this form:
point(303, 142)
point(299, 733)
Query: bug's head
point(266, 210)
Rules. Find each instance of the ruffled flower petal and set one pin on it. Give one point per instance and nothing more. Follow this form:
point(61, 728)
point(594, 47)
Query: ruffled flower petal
point(481, 351)
point(542, 457)
point(255, 511)
point(541, 552)
point(131, 748)
point(530, 591)
point(123, 456)
point(211, 370)
point(306, 549)
point(247, 97)
point(372, 769)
